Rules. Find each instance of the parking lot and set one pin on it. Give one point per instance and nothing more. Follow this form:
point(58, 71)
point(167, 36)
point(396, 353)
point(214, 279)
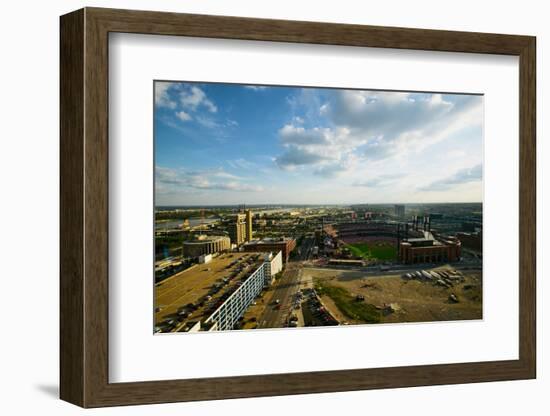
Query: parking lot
point(315, 312)
point(192, 295)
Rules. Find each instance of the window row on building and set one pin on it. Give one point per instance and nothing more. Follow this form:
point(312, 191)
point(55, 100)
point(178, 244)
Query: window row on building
point(228, 314)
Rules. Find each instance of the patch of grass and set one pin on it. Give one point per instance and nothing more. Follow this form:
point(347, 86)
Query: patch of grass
point(375, 250)
point(348, 305)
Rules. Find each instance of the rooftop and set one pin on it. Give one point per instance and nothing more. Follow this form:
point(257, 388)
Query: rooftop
point(200, 239)
point(419, 240)
point(269, 240)
point(216, 279)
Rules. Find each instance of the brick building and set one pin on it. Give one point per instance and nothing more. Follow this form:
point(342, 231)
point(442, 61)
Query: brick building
point(422, 250)
point(285, 245)
point(473, 241)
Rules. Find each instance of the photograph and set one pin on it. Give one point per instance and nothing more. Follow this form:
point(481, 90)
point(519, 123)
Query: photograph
point(294, 206)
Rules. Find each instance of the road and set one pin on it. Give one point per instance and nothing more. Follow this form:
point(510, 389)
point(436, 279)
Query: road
point(397, 268)
point(275, 316)
point(306, 249)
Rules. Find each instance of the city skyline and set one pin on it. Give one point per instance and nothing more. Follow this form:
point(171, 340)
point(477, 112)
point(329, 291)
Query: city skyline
point(228, 144)
point(274, 204)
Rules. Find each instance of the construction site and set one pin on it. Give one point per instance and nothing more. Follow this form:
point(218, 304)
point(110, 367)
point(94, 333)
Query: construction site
point(438, 294)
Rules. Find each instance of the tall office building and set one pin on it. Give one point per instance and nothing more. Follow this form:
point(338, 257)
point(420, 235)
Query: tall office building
point(241, 229)
point(400, 211)
point(248, 225)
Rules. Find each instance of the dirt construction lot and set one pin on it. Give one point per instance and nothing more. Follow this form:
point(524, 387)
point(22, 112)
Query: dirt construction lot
point(402, 300)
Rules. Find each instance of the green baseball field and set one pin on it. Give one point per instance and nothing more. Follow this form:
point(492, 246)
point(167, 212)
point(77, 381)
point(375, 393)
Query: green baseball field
point(380, 250)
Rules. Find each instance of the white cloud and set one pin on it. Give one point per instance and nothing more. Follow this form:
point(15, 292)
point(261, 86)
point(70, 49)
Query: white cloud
point(193, 98)
point(369, 126)
point(183, 116)
point(385, 113)
point(207, 122)
point(296, 156)
point(344, 164)
point(329, 150)
point(162, 98)
point(298, 135)
point(168, 180)
point(190, 99)
point(255, 87)
point(236, 186)
point(434, 130)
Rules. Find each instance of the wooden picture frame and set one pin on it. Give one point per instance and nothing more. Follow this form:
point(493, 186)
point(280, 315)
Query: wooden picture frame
point(84, 207)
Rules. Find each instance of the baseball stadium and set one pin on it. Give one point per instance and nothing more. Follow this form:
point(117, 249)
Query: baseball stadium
point(382, 241)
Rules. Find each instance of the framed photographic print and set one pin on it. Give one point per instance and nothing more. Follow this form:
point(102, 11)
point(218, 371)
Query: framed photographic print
point(255, 207)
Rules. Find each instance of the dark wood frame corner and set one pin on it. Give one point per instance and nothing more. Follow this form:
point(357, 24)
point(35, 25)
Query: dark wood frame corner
point(84, 207)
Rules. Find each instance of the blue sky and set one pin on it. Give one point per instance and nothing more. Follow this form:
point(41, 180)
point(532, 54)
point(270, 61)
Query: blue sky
point(235, 144)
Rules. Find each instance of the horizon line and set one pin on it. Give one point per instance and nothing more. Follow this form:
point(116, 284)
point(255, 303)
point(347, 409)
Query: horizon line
point(318, 204)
